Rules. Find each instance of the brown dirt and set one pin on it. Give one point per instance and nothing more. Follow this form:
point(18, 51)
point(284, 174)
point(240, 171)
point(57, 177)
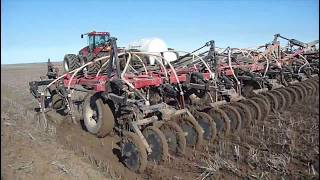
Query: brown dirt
point(285, 145)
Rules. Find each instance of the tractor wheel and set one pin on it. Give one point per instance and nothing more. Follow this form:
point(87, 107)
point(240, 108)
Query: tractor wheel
point(133, 152)
point(293, 94)
point(97, 116)
point(71, 62)
point(157, 142)
point(272, 99)
point(281, 100)
point(105, 68)
point(222, 121)
point(193, 131)
point(99, 64)
point(254, 109)
point(57, 101)
point(93, 68)
point(234, 116)
point(246, 117)
point(263, 107)
point(208, 126)
point(175, 137)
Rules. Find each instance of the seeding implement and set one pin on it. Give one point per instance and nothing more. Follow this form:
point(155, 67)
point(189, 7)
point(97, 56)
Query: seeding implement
point(161, 108)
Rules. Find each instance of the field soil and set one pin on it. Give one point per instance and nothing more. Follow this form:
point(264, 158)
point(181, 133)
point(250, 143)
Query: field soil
point(284, 146)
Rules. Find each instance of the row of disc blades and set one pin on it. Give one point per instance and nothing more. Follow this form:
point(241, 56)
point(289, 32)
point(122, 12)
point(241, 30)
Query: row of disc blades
point(173, 136)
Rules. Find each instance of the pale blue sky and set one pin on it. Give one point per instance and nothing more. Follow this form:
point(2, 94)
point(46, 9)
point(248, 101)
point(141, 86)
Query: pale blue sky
point(35, 30)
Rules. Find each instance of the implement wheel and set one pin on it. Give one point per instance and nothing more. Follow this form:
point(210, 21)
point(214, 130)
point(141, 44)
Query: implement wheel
point(175, 137)
point(57, 101)
point(133, 152)
point(97, 116)
point(157, 142)
point(71, 62)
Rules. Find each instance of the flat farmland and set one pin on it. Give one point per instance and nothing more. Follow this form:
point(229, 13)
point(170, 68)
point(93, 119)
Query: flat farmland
point(285, 145)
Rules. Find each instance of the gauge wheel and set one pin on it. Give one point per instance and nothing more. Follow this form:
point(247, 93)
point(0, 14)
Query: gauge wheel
point(97, 116)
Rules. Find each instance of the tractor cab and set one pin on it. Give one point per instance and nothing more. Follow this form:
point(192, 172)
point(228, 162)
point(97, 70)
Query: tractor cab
point(97, 42)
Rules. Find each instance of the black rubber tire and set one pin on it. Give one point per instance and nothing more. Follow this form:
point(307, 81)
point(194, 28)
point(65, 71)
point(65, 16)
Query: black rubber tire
point(158, 144)
point(175, 137)
point(246, 117)
point(71, 62)
point(234, 116)
point(57, 101)
point(93, 68)
point(222, 121)
point(193, 130)
point(104, 69)
point(137, 159)
point(105, 122)
point(263, 107)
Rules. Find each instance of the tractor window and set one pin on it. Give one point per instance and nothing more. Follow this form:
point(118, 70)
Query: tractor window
point(91, 43)
point(100, 40)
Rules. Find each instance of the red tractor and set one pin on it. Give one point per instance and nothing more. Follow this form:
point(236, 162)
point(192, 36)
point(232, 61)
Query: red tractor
point(98, 46)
